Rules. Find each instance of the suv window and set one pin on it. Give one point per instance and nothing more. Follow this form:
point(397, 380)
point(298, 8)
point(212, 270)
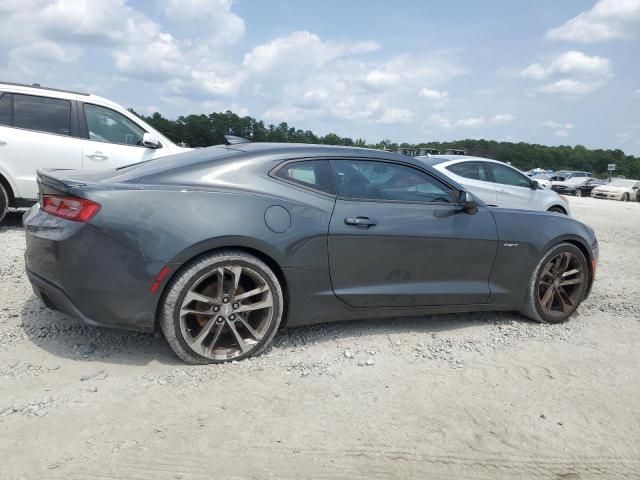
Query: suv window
point(44, 114)
point(472, 170)
point(508, 176)
point(314, 174)
point(106, 125)
point(374, 180)
point(5, 109)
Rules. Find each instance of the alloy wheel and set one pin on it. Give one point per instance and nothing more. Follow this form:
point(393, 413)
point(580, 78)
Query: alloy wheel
point(226, 312)
point(561, 285)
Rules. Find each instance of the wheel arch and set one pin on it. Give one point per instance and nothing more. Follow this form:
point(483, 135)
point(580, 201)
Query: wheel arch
point(9, 189)
point(557, 206)
point(190, 256)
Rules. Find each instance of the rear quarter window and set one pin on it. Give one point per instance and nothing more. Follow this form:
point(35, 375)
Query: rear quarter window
point(5, 108)
point(43, 114)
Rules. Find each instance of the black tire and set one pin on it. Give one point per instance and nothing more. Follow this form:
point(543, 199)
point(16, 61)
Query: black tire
point(187, 278)
point(557, 209)
point(578, 193)
point(4, 202)
point(532, 308)
point(625, 197)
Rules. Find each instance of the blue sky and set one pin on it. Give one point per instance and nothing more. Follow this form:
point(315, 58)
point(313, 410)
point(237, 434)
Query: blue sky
point(552, 72)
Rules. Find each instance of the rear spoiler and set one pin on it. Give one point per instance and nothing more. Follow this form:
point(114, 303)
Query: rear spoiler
point(52, 181)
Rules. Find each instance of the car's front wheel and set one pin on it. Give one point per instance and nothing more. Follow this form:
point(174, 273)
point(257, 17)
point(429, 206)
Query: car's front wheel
point(558, 285)
point(578, 193)
point(625, 197)
point(4, 202)
point(224, 306)
point(557, 209)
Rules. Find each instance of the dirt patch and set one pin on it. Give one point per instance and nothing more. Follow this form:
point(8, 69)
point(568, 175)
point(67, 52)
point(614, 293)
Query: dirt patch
point(481, 395)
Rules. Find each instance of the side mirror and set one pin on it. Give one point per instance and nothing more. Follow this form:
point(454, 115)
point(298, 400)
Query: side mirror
point(534, 185)
point(468, 202)
point(149, 140)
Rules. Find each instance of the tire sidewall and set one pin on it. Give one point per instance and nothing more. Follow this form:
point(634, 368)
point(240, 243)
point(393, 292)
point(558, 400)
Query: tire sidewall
point(563, 247)
point(179, 287)
point(4, 202)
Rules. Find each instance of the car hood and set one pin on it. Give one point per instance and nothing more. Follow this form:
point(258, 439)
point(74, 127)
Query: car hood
point(610, 189)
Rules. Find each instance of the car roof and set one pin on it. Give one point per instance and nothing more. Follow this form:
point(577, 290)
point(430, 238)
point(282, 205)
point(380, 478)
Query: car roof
point(41, 91)
point(436, 159)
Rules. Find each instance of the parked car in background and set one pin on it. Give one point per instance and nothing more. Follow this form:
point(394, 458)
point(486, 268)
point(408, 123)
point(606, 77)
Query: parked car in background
point(49, 128)
point(618, 189)
point(569, 186)
point(544, 180)
point(219, 246)
point(497, 183)
point(586, 188)
point(562, 175)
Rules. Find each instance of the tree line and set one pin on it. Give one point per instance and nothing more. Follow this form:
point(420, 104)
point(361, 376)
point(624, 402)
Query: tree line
point(205, 130)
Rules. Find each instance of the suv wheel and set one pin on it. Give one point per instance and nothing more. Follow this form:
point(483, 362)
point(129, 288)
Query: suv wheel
point(557, 209)
point(4, 202)
point(224, 306)
point(558, 285)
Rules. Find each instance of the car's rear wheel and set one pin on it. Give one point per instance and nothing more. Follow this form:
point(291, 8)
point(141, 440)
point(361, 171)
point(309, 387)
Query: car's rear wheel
point(625, 197)
point(578, 193)
point(558, 285)
point(225, 306)
point(4, 202)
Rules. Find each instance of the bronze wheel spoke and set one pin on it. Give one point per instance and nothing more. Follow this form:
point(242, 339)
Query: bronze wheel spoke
point(561, 285)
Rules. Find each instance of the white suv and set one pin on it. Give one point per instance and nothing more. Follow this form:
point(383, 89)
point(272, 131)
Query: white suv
point(497, 183)
point(50, 128)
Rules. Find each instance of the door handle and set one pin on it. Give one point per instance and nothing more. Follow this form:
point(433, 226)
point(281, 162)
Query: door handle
point(360, 222)
point(97, 156)
point(2, 142)
point(503, 191)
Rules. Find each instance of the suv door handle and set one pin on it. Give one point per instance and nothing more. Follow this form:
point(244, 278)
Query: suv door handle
point(97, 156)
point(360, 222)
point(503, 191)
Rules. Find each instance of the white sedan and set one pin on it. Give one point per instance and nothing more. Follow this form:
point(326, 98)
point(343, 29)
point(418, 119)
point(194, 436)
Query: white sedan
point(617, 189)
point(497, 183)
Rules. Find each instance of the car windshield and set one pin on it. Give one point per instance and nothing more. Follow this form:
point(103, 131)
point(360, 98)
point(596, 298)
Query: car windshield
point(622, 183)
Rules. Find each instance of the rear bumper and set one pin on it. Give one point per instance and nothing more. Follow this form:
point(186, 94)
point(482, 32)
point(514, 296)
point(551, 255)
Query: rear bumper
point(78, 270)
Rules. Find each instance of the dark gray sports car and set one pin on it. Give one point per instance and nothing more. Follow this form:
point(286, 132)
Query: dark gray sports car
point(221, 246)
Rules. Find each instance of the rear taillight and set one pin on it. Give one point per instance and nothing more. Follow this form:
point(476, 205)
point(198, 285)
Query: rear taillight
point(71, 208)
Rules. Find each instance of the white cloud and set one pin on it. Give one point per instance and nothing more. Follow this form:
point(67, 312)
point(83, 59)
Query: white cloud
point(556, 125)
point(607, 20)
point(396, 115)
point(471, 122)
point(561, 133)
point(439, 98)
point(569, 86)
point(569, 63)
point(502, 118)
point(301, 49)
point(440, 121)
point(636, 94)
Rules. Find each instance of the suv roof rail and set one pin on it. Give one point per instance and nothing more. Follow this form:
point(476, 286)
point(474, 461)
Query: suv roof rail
point(235, 140)
point(38, 86)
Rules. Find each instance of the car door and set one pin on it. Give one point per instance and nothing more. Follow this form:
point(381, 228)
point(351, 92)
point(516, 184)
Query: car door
point(514, 189)
point(477, 178)
point(111, 139)
point(38, 133)
point(398, 238)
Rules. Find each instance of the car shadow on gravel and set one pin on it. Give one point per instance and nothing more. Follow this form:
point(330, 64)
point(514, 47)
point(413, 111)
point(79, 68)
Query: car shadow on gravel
point(12, 221)
point(69, 338)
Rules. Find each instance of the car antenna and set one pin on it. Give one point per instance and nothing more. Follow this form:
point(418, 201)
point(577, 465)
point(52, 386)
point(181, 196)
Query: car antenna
point(235, 140)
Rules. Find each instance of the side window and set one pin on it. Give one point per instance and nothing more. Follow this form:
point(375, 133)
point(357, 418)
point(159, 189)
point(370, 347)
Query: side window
point(51, 115)
point(471, 170)
point(508, 176)
point(106, 125)
point(5, 109)
point(314, 174)
point(374, 180)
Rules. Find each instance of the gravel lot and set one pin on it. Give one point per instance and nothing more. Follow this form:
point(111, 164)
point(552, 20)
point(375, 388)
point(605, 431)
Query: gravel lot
point(449, 396)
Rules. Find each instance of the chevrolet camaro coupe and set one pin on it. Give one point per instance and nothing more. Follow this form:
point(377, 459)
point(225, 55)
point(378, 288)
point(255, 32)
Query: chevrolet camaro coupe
point(220, 247)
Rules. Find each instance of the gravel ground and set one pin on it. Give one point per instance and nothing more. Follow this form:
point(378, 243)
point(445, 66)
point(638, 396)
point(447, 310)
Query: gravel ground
point(480, 395)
